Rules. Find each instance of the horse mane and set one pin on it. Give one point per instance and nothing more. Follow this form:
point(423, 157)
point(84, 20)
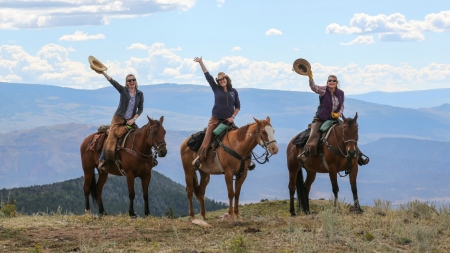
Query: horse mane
point(350, 122)
point(242, 131)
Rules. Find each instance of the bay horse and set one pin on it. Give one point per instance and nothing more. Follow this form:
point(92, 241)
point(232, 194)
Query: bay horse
point(337, 153)
point(137, 160)
point(232, 163)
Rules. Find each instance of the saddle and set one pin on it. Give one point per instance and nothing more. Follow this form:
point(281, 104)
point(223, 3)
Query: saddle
point(196, 139)
point(96, 144)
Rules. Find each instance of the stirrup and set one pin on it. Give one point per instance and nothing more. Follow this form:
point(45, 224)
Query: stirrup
point(363, 159)
point(196, 163)
point(101, 166)
point(302, 157)
point(252, 166)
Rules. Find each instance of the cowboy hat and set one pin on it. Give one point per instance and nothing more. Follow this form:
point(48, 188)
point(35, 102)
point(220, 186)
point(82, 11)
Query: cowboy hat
point(302, 67)
point(96, 64)
point(221, 75)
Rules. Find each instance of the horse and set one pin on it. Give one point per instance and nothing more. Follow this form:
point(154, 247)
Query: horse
point(338, 152)
point(136, 160)
point(232, 158)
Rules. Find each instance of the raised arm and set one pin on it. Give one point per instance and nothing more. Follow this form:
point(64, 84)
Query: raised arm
point(104, 74)
point(199, 60)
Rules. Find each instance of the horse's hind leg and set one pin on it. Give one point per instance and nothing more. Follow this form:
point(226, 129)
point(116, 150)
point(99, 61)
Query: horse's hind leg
point(310, 178)
point(353, 176)
point(145, 181)
point(204, 180)
point(131, 195)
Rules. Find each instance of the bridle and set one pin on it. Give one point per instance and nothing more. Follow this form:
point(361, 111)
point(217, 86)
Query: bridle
point(266, 153)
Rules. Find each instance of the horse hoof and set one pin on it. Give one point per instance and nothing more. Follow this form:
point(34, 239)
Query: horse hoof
point(133, 217)
point(293, 215)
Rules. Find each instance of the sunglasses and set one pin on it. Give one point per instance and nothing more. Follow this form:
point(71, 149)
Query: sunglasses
point(332, 81)
point(129, 80)
point(221, 79)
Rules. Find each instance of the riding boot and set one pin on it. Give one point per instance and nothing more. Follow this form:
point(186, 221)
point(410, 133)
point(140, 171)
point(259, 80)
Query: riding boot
point(313, 140)
point(202, 151)
point(362, 158)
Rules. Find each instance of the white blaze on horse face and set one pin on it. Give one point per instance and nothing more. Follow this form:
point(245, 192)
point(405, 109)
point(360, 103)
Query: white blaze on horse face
point(273, 147)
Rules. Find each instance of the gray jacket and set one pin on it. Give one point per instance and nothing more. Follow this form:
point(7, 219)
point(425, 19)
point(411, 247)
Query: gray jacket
point(125, 99)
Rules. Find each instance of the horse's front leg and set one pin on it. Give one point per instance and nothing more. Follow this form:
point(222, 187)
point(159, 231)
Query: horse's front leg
point(353, 176)
point(229, 182)
point(102, 177)
point(131, 195)
point(238, 185)
point(334, 185)
point(145, 181)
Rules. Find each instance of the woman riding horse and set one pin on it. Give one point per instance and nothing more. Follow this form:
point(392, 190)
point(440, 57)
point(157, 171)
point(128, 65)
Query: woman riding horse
point(226, 107)
point(131, 105)
point(331, 107)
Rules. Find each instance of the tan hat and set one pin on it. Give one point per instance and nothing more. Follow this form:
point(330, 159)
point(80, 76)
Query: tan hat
point(302, 67)
point(221, 75)
point(96, 64)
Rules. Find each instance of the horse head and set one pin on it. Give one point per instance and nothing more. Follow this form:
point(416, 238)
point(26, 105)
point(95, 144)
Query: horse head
point(350, 134)
point(157, 135)
point(266, 135)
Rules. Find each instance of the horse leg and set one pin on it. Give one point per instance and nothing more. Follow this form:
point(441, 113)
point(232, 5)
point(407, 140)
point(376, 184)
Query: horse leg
point(131, 195)
point(229, 182)
point(191, 185)
point(102, 177)
point(204, 180)
point(291, 186)
point(145, 181)
point(353, 176)
point(90, 187)
point(310, 177)
point(334, 184)
point(237, 187)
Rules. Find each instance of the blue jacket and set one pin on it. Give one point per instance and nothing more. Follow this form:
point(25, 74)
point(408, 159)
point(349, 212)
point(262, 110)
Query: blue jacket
point(224, 102)
point(125, 99)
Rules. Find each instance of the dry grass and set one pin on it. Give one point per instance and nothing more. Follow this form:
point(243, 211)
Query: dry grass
point(264, 227)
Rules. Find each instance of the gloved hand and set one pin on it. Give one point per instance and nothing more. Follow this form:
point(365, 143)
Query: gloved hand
point(310, 75)
point(335, 115)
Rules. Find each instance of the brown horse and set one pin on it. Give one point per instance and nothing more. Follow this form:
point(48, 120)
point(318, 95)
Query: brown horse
point(136, 158)
point(232, 159)
point(337, 153)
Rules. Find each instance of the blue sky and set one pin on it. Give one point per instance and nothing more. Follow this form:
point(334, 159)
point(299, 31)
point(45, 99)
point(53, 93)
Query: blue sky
point(369, 45)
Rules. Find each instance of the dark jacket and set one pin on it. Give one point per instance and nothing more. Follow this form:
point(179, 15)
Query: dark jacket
point(125, 99)
point(224, 102)
point(326, 104)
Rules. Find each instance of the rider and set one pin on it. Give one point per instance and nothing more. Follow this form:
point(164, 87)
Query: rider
point(226, 107)
point(131, 105)
point(331, 107)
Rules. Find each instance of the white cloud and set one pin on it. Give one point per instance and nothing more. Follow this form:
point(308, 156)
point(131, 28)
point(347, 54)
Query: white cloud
point(29, 14)
point(236, 48)
point(220, 3)
point(80, 36)
point(273, 31)
point(360, 40)
point(394, 27)
point(52, 65)
point(138, 46)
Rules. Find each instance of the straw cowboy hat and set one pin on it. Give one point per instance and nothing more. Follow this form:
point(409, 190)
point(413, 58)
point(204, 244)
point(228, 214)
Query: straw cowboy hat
point(221, 75)
point(96, 64)
point(302, 67)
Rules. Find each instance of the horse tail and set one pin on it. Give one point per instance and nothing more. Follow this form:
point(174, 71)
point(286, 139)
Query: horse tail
point(196, 185)
point(93, 188)
point(302, 194)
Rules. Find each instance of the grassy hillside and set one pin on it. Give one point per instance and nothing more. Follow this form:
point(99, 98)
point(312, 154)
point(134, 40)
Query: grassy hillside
point(68, 197)
point(263, 227)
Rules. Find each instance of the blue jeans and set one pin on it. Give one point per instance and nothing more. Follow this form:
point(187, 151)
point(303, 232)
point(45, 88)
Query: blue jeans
point(102, 156)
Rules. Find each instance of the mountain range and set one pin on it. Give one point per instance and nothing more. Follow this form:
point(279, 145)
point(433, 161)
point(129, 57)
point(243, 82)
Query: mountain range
point(43, 126)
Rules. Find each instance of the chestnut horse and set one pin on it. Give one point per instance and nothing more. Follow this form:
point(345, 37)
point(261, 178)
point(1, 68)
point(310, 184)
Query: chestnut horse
point(337, 153)
point(240, 141)
point(136, 158)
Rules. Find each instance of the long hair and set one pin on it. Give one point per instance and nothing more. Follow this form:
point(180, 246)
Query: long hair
point(126, 83)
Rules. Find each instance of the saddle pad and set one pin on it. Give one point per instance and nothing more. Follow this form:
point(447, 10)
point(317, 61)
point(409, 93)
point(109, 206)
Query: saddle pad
point(327, 124)
point(301, 138)
point(196, 140)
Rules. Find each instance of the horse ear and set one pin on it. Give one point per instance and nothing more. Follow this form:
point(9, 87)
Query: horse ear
point(343, 118)
point(356, 117)
point(149, 119)
point(257, 121)
point(161, 119)
point(268, 119)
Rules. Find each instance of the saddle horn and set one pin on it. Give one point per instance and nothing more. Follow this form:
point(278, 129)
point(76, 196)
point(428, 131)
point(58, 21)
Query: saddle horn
point(301, 67)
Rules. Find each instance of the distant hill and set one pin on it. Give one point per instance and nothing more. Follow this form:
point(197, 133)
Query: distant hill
point(68, 197)
point(408, 99)
point(188, 107)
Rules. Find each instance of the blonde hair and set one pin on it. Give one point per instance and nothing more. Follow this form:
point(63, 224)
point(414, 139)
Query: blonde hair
point(126, 83)
point(337, 81)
